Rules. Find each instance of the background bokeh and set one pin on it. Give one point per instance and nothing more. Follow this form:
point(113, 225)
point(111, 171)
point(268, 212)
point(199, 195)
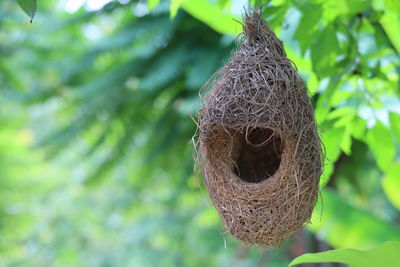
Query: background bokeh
point(96, 98)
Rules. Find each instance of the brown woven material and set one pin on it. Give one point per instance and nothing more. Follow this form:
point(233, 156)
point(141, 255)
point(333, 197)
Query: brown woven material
point(258, 146)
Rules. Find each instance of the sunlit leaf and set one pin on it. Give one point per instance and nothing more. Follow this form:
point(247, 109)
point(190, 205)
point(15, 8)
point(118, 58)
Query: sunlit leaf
point(152, 4)
point(340, 112)
point(343, 225)
point(386, 254)
point(391, 23)
point(358, 127)
point(395, 124)
point(391, 185)
point(345, 145)
point(380, 141)
point(174, 6)
point(275, 15)
point(335, 8)
point(332, 138)
point(210, 14)
point(223, 3)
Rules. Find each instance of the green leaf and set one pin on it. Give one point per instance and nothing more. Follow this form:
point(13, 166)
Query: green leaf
point(29, 7)
point(210, 14)
point(173, 8)
point(391, 185)
point(342, 225)
point(391, 23)
point(344, 121)
point(151, 4)
point(332, 138)
point(358, 127)
point(395, 125)
point(324, 51)
point(335, 8)
point(345, 145)
point(223, 3)
point(343, 115)
point(311, 14)
point(386, 254)
point(275, 15)
point(340, 112)
point(380, 141)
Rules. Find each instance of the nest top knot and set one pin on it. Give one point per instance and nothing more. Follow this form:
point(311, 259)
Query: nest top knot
point(257, 33)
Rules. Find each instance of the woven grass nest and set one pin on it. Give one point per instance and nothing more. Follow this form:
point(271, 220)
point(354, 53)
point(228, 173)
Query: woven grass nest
point(258, 146)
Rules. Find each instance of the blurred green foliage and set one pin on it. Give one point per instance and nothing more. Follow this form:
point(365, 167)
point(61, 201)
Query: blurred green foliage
point(95, 108)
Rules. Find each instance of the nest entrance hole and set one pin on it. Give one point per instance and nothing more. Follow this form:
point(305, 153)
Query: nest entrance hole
point(259, 155)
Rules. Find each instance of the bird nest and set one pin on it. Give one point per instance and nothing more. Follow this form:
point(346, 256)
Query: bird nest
point(258, 145)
